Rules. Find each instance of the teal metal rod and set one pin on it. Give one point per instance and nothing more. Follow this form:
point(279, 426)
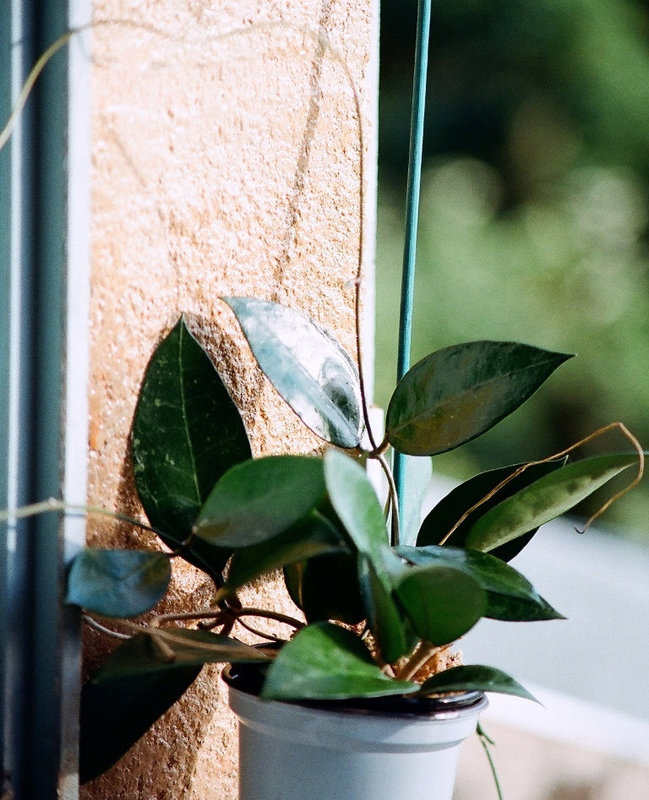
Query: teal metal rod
point(412, 211)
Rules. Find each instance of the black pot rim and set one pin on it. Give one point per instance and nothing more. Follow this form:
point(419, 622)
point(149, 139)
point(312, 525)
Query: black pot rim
point(248, 678)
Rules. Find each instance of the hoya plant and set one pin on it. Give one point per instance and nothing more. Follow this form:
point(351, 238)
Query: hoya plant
point(374, 607)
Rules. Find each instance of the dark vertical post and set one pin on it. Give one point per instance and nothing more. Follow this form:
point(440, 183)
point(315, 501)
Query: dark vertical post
point(43, 259)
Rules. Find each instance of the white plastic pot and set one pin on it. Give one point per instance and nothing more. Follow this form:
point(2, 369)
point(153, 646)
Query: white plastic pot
point(295, 752)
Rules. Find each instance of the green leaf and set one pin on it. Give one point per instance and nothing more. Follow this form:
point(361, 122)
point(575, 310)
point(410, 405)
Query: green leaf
point(136, 686)
point(326, 587)
point(392, 630)
point(450, 509)
point(189, 647)
point(510, 596)
point(441, 602)
point(356, 504)
point(186, 433)
point(117, 710)
point(545, 499)
point(307, 366)
point(418, 473)
point(118, 583)
point(474, 677)
point(326, 662)
point(259, 499)
point(311, 536)
point(458, 393)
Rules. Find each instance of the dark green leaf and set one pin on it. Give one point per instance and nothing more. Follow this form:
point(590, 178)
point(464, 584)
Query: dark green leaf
point(311, 536)
point(138, 683)
point(306, 365)
point(545, 499)
point(458, 393)
point(392, 630)
point(510, 596)
point(118, 583)
point(117, 710)
point(326, 587)
point(326, 662)
point(474, 677)
point(441, 602)
point(356, 504)
point(189, 646)
point(259, 499)
point(450, 509)
point(186, 433)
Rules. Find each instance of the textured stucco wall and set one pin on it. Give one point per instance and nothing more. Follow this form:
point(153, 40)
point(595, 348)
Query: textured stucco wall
point(225, 161)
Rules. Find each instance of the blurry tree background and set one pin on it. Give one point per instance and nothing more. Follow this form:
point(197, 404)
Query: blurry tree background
point(535, 210)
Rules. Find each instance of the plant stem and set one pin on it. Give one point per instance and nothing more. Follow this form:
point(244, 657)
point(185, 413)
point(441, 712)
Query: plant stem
point(485, 741)
point(36, 70)
point(103, 629)
point(262, 634)
point(186, 616)
point(274, 615)
point(393, 500)
point(422, 653)
point(596, 434)
point(54, 505)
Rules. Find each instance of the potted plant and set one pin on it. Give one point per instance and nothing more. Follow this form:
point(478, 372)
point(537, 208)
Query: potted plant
point(376, 619)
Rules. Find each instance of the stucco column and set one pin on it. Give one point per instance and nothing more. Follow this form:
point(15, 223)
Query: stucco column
point(226, 160)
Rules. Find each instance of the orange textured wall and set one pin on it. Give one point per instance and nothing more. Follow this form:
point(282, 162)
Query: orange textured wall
point(226, 160)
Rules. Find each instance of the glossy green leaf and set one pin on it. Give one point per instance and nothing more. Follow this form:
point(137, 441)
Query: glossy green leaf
point(327, 662)
point(450, 509)
point(474, 677)
point(118, 583)
point(259, 499)
point(510, 596)
point(356, 504)
point(326, 587)
point(311, 536)
point(136, 686)
point(545, 499)
point(307, 366)
point(418, 473)
point(389, 625)
point(186, 433)
point(458, 393)
point(441, 602)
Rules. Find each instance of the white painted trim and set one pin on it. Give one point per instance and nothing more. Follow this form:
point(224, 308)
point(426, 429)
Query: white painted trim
point(77, 340)
point(15, 283)
point(76, 365)
point(369, 212)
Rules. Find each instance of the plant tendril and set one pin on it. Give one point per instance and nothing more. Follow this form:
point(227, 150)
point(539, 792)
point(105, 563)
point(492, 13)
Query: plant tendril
point(595, 435)
point(486, 742)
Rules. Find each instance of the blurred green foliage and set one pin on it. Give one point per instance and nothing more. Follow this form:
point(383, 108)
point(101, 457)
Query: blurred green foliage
point(535, 208)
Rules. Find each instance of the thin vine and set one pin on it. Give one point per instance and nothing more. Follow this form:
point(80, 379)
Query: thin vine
point(486, 743)
point(595, 435)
